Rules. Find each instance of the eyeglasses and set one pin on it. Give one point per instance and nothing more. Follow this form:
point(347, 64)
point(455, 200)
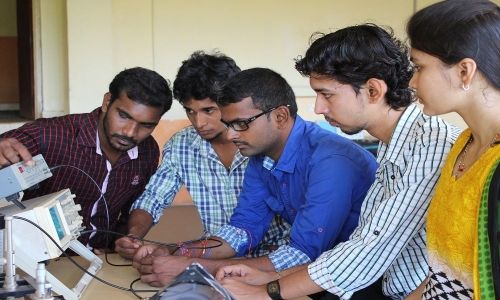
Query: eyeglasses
point(242, 125)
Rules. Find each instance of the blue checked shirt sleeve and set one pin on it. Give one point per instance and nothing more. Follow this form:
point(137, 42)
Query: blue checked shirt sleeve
point(234, 236)
point(162, 186)
point(283, 258)
point(286, 257)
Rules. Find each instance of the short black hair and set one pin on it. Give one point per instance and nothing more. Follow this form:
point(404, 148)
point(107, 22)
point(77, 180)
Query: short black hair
point(267, 89)
point(202, 75)
point(458, 29)
point(354, 54)
point(143, 86)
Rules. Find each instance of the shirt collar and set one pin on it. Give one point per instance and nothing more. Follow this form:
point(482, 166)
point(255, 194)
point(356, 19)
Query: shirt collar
point(87, 129)
point(197, 142)
point(206, 149)
point(392, 152)
point(288, 158)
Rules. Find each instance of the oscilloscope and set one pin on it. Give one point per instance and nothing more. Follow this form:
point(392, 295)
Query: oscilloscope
point(56, 214)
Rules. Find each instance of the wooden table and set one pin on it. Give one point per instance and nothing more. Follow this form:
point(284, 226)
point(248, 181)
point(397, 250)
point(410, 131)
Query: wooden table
point(123, 276)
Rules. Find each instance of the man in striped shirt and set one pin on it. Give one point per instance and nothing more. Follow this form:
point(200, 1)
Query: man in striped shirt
point(105, 157)
point(360, 75)
point(201, 157)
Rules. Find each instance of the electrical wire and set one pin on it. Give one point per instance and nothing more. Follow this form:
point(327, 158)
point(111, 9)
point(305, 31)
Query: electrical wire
point(219, 243)
point(134, 291)
point(106, 209)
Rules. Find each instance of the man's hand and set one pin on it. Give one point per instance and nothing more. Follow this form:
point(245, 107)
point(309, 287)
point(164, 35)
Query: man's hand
point(141, 253)
point(246, 274)
point(127, 246)
point(12, 151)
point(243, 291)
point(158, 268)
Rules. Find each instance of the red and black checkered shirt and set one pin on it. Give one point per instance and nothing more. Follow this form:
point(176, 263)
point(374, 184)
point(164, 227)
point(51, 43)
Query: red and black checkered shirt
point(71, 140)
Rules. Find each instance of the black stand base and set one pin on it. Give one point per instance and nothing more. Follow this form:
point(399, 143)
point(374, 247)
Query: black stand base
point(23, 288)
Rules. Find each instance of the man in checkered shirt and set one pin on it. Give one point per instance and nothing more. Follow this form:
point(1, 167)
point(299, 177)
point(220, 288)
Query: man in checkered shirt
point(201, 158)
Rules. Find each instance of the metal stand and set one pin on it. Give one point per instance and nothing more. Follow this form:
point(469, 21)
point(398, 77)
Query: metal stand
point(11, 286)
point(28, 265)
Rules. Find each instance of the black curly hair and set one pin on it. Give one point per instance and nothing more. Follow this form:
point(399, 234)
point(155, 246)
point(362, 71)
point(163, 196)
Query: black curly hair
point(267, 88)
point(202, 75)
point(143, 86)
point(354, 54)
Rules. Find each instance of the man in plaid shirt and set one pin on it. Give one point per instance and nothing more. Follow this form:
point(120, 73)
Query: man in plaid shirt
point(200, 157)
point(104, 157)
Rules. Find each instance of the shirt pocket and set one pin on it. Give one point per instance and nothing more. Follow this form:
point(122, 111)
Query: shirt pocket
point(390, 177)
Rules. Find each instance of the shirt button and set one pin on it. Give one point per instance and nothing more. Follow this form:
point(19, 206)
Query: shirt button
point(320, 229)
point(393, 177)
point(376, 232)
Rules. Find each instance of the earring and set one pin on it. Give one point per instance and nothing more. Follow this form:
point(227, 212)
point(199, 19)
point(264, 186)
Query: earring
point(465, 87)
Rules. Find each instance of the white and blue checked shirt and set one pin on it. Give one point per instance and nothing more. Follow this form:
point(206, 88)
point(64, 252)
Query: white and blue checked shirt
point(191, 161)
point(390, 238)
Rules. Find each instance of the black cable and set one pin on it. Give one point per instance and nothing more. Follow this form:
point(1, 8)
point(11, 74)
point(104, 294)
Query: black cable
point(106, 209)
point(76, 263)
point(134, 291)
point(172, 245)
point(219, 243)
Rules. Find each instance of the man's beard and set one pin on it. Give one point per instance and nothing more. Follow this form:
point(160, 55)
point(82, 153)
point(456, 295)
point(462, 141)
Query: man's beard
point(215, 137)
point(352, 131)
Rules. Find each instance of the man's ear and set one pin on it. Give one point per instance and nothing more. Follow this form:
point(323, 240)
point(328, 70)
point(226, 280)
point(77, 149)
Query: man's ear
point(282, 116)
point(106, 100)
point(377, 89)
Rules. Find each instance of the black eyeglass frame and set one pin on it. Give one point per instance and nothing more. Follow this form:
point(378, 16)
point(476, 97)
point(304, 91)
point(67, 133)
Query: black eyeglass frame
point(243, 124)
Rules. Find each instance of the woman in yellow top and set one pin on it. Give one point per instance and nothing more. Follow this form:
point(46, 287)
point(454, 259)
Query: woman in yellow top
point(456, 51)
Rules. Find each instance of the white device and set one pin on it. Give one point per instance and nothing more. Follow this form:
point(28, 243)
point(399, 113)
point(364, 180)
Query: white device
point(58, 215)
point(19, 177)
point(195, 283)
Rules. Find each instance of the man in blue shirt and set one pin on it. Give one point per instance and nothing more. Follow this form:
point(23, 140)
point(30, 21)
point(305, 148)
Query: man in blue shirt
point(314, 179)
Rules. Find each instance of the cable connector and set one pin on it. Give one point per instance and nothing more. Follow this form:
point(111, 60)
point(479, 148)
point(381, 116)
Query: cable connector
point(2, 221)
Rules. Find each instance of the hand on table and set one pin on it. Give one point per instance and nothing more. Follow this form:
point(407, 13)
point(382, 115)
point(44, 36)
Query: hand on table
point(246, 274)
point(156, 266)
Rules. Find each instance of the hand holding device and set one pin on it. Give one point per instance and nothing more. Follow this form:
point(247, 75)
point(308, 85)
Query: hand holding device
point(13, 151)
